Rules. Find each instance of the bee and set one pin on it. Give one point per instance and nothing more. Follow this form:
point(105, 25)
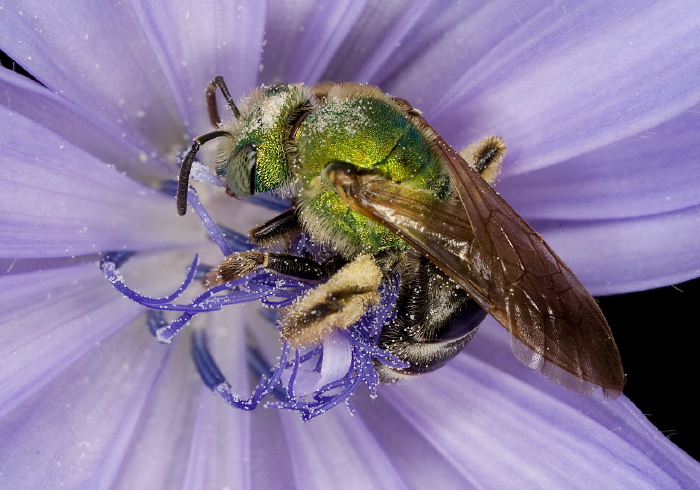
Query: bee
point(370, 178)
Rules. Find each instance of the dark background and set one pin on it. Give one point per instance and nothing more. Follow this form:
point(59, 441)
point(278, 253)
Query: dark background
point(657, 332)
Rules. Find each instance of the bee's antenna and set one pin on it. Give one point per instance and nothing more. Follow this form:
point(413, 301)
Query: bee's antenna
point(184, 180)
point(219, 83)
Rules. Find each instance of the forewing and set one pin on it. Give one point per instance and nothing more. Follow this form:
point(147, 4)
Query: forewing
point(504, 265)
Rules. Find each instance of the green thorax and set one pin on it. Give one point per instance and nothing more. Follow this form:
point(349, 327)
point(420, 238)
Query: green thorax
point(369, 132)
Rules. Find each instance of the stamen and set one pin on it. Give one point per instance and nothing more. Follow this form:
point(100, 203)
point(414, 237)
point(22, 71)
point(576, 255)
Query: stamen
point(212, 377)
point(310, 380)
point(208, 370)
point(112, 260)
point(238, 242)
point(244, 290)
point(117, 258)
point(269, 201)
point(259, 366)
point(214, 232)
point(155, 320)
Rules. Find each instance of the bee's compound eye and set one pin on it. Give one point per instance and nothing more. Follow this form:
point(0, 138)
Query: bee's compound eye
point(240, 173)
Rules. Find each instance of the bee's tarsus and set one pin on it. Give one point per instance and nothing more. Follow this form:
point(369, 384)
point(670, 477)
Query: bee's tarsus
point(233, 267)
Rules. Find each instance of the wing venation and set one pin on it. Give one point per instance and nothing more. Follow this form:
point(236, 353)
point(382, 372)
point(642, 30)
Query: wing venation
point(494, 255)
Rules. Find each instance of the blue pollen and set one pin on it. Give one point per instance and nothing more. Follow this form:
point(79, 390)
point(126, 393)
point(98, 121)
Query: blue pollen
point(298, 381)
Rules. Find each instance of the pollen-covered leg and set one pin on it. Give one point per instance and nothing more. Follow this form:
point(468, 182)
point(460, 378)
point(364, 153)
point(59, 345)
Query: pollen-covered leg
point(338, 303)
point(235, 266)
point(241, 264)
point(485, 156)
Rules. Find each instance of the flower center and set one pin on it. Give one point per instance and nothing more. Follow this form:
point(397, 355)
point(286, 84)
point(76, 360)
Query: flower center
point(310, 378)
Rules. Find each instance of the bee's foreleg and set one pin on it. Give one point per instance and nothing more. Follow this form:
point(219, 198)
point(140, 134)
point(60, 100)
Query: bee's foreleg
point(277, 229)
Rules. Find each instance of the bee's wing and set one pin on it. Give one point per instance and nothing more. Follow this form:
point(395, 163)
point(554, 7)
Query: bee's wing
point(504, 265)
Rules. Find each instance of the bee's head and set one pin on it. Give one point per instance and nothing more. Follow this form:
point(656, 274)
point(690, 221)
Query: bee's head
point(257, 155)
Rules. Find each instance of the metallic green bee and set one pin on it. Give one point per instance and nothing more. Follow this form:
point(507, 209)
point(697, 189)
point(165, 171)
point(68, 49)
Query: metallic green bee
point(368, 176)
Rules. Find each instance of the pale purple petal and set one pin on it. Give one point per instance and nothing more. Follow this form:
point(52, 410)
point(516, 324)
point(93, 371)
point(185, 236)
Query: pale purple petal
point(390, 32)
point(219, 448)
point(23, 265)
point(357, 460)
point(574, 79)
point(97, 57)
point(195, 42)
point(284, 28)
point(76, 432)
point(508, 427)
point(656, 171)
point(413, 456)
point(78, 205)
point(35, 348)
point(159, 453)
point(221, 438)
point(271, 463)
point(446, 42)
point(85, 310)
point(625, 255)
point(315, 38)
point(73, 123)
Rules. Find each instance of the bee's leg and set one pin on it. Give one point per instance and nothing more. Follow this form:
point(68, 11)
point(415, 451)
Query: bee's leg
point(337, 303)
point(276, 230)
point(219, 83)
point(241, 264)
point(485, 156)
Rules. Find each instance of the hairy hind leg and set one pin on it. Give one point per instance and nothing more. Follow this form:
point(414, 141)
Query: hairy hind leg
point(485, 156)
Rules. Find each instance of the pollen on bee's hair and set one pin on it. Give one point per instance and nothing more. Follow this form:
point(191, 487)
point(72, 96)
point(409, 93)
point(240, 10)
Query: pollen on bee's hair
point(310, 379)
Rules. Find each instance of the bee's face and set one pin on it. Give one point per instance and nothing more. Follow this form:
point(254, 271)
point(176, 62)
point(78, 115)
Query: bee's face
point(255, 156)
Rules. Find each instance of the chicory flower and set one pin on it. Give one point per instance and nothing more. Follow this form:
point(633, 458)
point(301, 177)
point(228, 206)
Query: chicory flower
point(595, 101)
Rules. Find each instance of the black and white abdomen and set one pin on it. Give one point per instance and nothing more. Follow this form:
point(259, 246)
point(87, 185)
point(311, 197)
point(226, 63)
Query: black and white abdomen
point(435, 319)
